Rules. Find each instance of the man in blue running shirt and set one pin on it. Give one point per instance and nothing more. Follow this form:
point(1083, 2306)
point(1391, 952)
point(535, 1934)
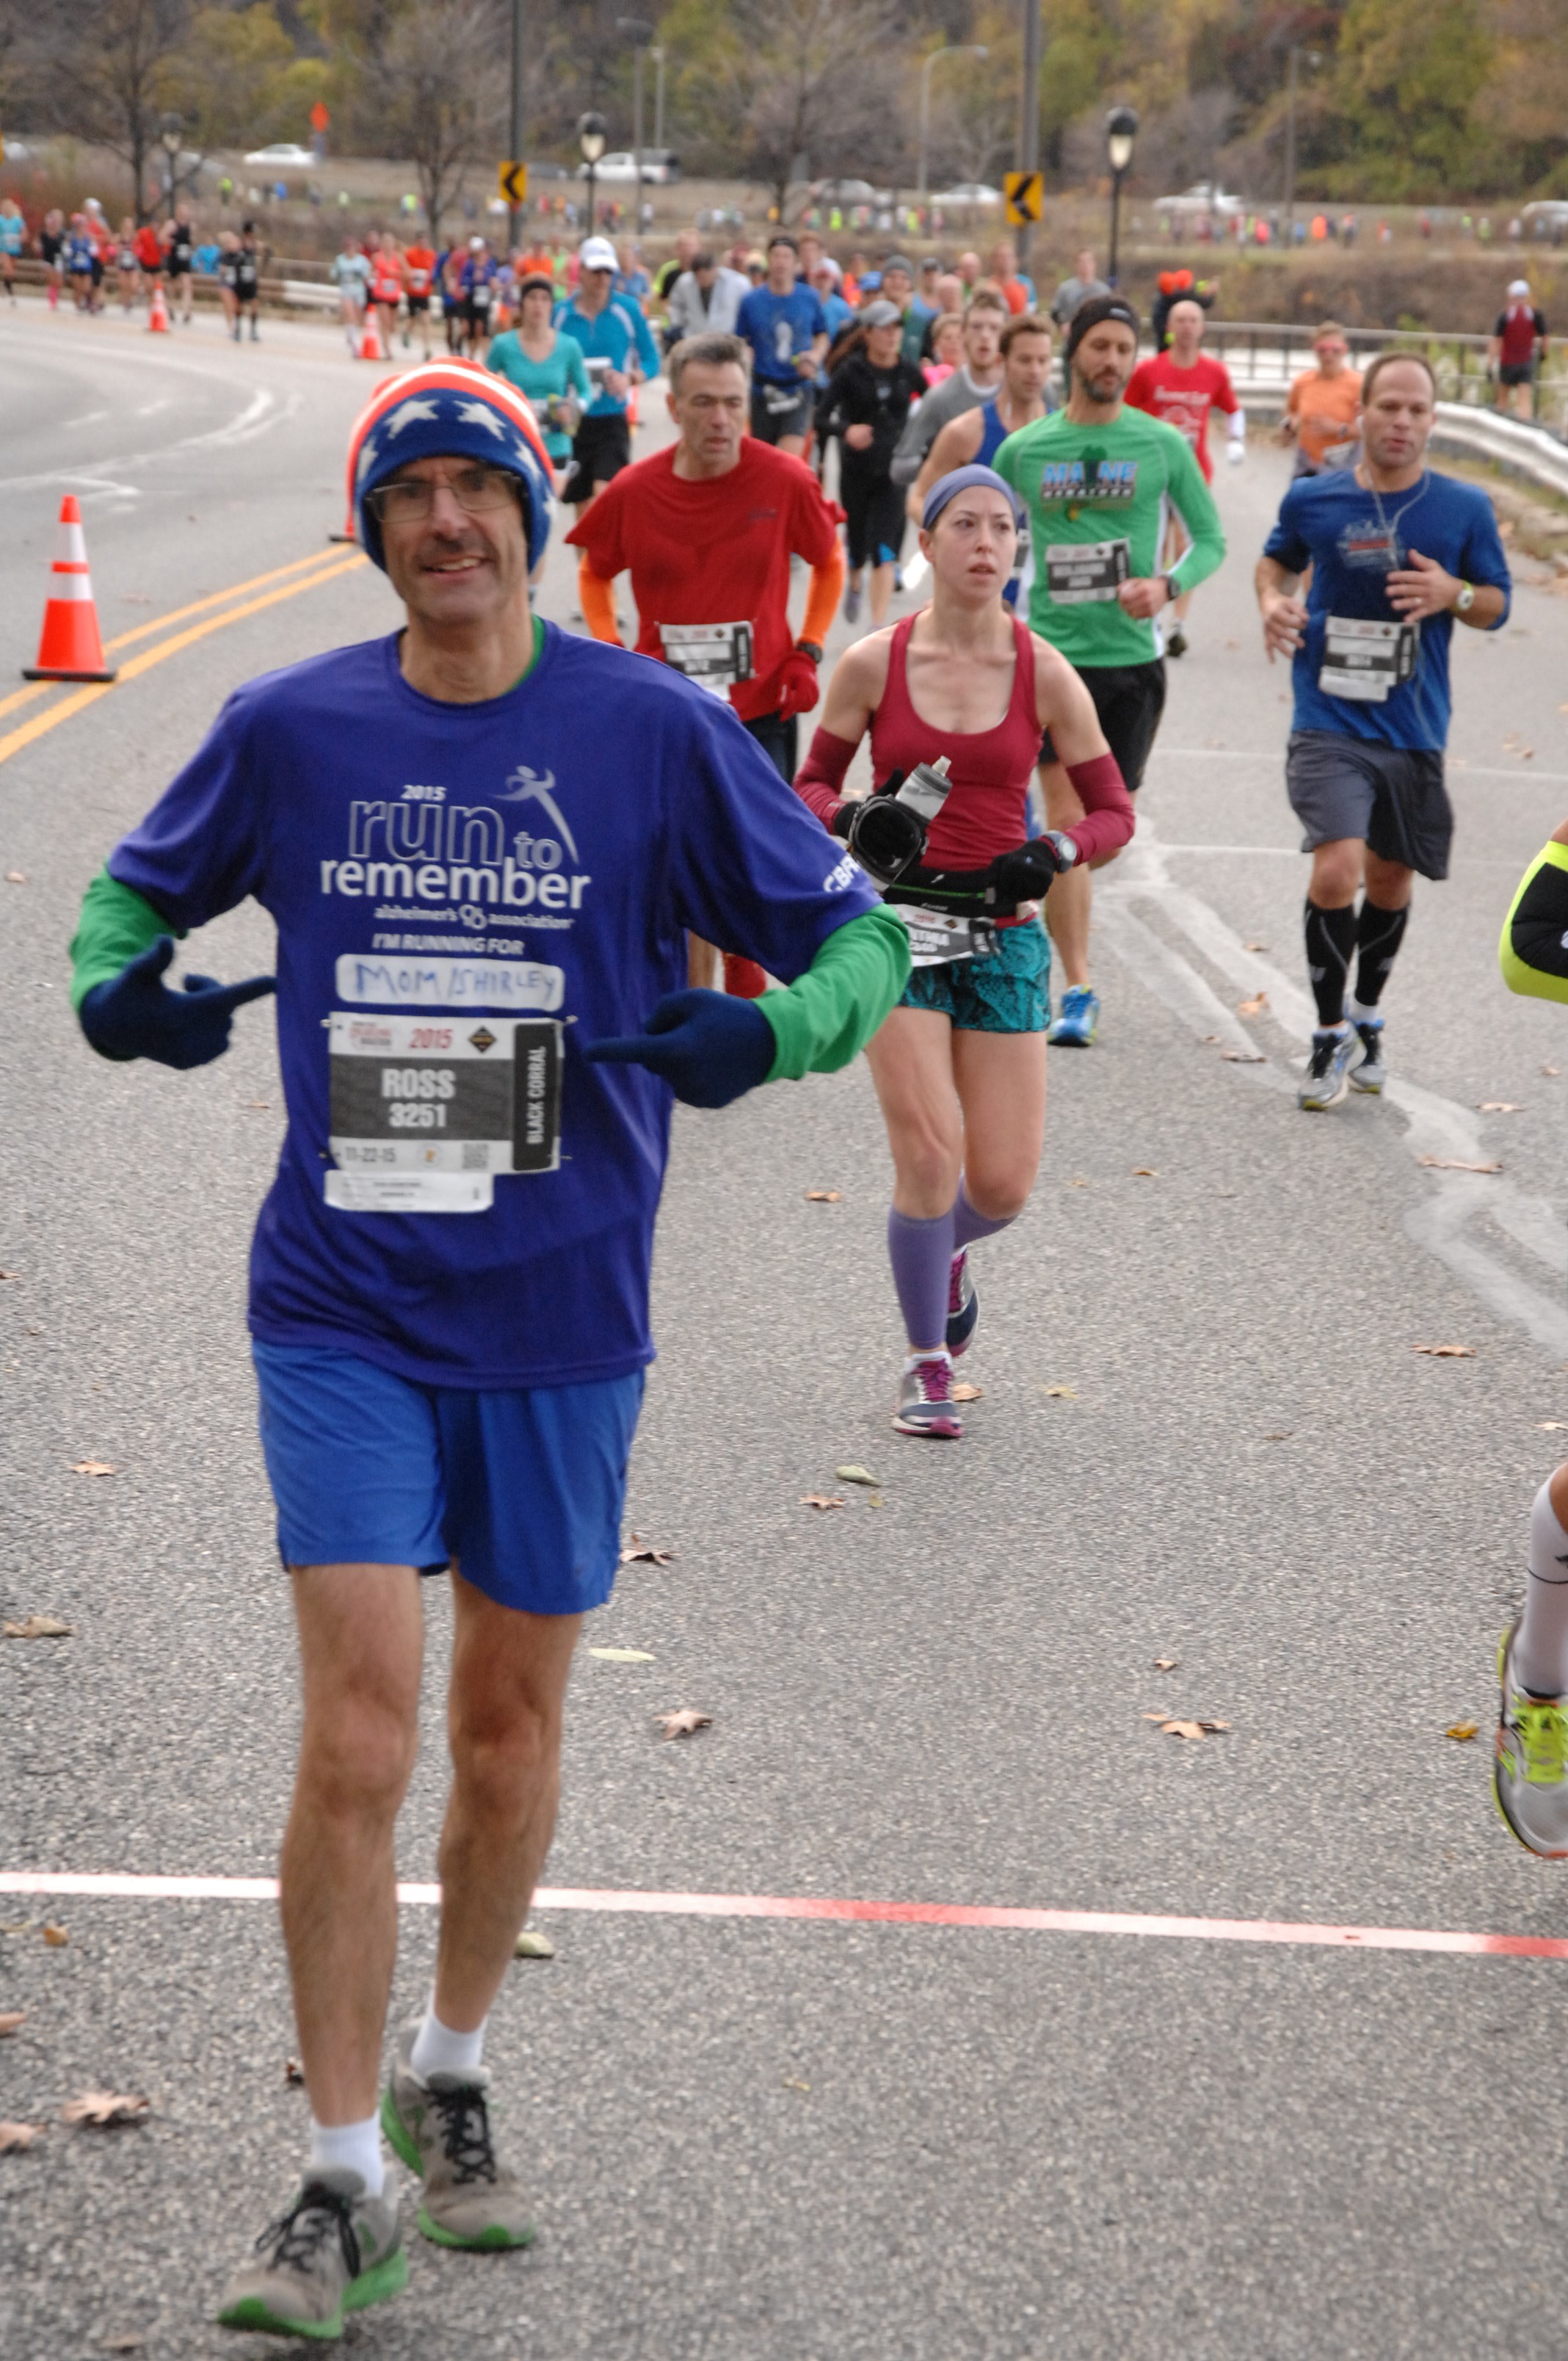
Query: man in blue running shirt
point(784, 323)
point(1397, 555)
point(615, 341)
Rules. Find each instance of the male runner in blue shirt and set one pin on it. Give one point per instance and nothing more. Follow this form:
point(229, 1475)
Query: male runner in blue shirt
point(482, 842)
point(614, 337)
point(784, 323)
point(1397, 555)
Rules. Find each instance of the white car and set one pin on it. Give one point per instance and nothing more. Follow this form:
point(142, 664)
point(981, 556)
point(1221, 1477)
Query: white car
point(658, 164)
point(967, 192)
point(1202, 197)
point(283, 151)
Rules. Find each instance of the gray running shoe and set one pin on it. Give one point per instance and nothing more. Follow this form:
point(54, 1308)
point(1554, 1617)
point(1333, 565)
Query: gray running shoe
point(1371, 1074)
point(926, 1404)
point(851, 605)
point(441, 2128)
point(1326, 1081)
point(334, 2251)
point(1529, 1775)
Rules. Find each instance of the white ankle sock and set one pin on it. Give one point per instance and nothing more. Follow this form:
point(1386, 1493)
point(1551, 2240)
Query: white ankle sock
point(1541, 1651)
point(438, 2050)
point(352, 2148)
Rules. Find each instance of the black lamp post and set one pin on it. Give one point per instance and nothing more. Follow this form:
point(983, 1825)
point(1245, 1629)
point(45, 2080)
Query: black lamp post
point(591, 139)
point(1121, 130)
point(171, 130)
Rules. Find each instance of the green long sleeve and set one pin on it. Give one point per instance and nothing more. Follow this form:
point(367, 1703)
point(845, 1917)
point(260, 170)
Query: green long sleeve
point(829, 1013)
point(1194, 503)
point(115, 927)
point(1533, 953)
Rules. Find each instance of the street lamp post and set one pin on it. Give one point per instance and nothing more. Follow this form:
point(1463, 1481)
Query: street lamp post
point(1121, 130)
point(1029, 113)
point(639, 32)
point(953, 50)
point(170, 132)
point(514, 223)
point(1292, 83)
point(591, 139)
point(657, 54)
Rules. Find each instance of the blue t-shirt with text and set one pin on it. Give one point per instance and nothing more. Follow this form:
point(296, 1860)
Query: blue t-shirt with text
point(1353, 539)
point(777, 327)
point(436, 872)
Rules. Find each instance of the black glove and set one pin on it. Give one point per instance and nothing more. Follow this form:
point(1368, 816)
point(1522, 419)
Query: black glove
point(886, 837)
point(844, 818)
point(710, 1049)
point(1026, 874)
point(136, 1015)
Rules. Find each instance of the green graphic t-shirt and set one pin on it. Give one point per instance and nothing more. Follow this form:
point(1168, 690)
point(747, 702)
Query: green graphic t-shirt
point(1098, 499)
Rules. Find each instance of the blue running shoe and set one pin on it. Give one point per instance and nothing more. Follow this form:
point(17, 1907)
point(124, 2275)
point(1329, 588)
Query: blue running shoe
point(1074, 1028)
point(963, 1305)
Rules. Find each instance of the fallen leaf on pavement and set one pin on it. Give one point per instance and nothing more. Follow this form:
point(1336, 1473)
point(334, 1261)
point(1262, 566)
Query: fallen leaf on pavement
point(10, 1274)
point(56, 1936)
point(12, 2021)
point(257, 1106)
point(1446, 1352)
point(1078, 1183)
point(968, 1392)
point(293, 2074)
point(127, 2343)
point(622, 1655)
point(531, 1945)
point(684, 1723)
point(1545, 1070)
point(1554, 1425)
point(790, 2084)
point(102, 2108)
point(1243, 1056)
point(1278, 1435)
point(824, 1196)
point(16, 877)
point(18, 2135)
point(1166, 1663)
point(1254, 946)
point(853, 1475)
point(39, 1627)
point(1059, 1393)
point(1252, 1008)
point(821, 1501)
point(1192, 1728)
point(1499, 1106)
point(637, 1552)
point(1209, 1040)
point(1144, 1172)
point(1455, 1164)
point(91, 1468)
point(1462, 1731)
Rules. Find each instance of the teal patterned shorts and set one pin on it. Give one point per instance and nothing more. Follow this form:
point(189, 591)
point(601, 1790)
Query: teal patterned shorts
point(1008, 992)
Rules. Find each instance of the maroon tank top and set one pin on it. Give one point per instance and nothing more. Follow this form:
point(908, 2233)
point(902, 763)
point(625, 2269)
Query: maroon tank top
point(986, 810)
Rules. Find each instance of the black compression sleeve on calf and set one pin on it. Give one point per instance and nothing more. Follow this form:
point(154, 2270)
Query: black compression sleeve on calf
point(1379, 935)
point(1331, 940)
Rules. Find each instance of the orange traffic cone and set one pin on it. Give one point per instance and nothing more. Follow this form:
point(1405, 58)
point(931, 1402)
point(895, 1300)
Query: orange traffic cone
point(158, 318)
point(370, 346)
point(69, 647)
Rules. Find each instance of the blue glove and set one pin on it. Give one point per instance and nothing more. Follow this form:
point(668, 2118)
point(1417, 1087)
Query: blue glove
point(710, 1049)
point(135, 1015)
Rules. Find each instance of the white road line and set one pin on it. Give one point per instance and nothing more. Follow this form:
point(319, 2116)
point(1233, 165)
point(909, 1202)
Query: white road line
point(261, 414)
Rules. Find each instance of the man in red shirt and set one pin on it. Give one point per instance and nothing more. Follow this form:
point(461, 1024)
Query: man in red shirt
point(706, 528)
point(1518, 346)
point(419, 278)
point(1182, 384)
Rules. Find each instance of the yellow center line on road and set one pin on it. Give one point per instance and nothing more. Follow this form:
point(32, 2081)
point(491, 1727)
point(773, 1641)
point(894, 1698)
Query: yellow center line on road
point(41, 723)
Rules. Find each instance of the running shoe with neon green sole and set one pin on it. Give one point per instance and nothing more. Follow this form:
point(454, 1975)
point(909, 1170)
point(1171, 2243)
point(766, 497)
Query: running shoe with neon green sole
point(439, 2125)
point(1530, 1777)
point(333, 2252)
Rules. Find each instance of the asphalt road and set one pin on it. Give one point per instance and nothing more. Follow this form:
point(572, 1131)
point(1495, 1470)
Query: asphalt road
point(757, 2139)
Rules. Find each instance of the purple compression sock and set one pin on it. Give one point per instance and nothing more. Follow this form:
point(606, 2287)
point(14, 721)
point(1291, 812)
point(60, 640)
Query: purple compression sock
point(968, 1224)
point(921, 1254)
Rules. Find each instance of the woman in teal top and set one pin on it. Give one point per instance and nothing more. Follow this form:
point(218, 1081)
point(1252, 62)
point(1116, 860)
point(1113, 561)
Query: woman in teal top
point(546, 364)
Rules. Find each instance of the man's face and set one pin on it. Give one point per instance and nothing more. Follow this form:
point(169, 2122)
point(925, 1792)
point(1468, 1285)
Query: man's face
point(949, 294)
point(1084, 266)
point(453, 568)
point(1026, 367)
point(706, 276)
point(810, 255)
point(968, 268)
point(1001, 260)
point(982, 337)
point(822, 277)
point(1186, 325)
point(685, 248)
point(883, 344)
point(1105, 359)
point(1400, 417)
point(896, 288)
point(781, 268)
point(1331, 352)
point(595, 285)
point(710, 413)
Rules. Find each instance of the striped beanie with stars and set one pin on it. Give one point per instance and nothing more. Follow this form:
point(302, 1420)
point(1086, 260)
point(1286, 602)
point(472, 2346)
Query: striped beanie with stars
point(448, 410)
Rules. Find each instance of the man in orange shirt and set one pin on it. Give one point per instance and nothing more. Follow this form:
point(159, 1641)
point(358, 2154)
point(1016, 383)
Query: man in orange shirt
point(419, 278)
point(1003, 264)
point(1320, 412)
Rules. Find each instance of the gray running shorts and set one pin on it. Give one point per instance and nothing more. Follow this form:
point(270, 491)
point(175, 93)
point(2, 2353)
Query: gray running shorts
point(1393, 797)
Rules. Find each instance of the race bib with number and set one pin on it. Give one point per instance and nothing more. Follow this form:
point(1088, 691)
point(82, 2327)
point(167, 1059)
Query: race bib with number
point(1079, 572)
point(937, 939)
point(1364, 660)
point(426, 1111)
point(716, 655)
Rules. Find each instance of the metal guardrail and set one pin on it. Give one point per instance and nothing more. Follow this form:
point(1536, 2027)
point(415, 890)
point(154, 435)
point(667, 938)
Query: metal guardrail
point(1266, 353)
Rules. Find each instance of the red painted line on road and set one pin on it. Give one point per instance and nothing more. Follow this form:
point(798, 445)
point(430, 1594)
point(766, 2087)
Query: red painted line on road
point(113, 1886)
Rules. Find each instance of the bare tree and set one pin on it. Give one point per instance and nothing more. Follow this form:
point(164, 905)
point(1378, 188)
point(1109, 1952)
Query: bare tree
point(103, 71)
point(441, 90)
point(816, 78)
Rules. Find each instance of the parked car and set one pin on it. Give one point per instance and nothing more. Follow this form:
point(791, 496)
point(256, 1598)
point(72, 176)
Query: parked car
point(282, 151)
point(845, 192)
point(967, 192)
point(658, 164)
point(1545, 217)
point(1202, 197)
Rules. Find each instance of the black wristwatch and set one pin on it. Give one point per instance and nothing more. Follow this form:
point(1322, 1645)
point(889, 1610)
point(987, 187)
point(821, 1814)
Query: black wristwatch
point(1172, 588)
point(809, 648)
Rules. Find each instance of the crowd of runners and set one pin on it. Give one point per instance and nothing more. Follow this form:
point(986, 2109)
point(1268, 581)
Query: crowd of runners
point(449, 1291)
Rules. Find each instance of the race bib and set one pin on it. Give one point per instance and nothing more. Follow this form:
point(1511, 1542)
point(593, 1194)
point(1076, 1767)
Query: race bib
point(937, 939)
point(1079, 572)
point(426, 1111)
point(1366, 660)
point(716, 655)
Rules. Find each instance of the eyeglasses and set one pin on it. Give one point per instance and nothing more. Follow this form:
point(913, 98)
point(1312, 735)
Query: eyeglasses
point(408, 499)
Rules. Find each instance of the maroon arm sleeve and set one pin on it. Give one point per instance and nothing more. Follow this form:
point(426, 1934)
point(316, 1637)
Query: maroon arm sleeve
point(1109, 819)
point(822, 776)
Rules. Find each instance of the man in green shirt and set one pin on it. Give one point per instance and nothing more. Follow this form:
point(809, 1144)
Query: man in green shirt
point(1098, 481)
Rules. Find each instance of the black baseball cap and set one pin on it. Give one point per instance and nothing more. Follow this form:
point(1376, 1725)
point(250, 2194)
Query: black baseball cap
point(1094, 313)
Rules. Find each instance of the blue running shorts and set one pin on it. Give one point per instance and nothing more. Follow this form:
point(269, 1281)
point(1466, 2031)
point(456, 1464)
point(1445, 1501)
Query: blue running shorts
point(524, 1487)
point(1008, 992)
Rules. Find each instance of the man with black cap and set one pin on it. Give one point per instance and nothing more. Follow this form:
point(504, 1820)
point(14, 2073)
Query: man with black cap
point(1097, 479)
point(482, 841)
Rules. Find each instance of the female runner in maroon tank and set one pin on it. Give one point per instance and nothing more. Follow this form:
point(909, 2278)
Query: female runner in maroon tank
point(959, 1066)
